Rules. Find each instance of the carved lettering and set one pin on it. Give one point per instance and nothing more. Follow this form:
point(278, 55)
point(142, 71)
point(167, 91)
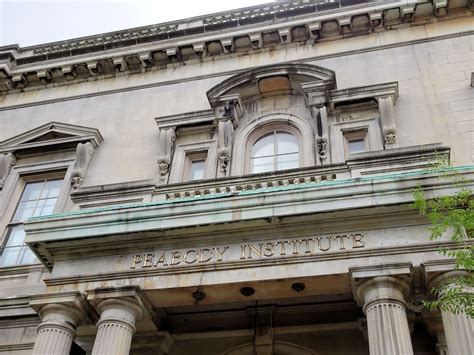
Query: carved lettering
point(175, 258)
point(267, 249)
point(219, 254)
point(205, 259)
point(136, 260)
point(282, 249)
point(161, 260)
point(357, 241)
point(193, 259)
point(257, 252)
point(341, 240)
point(320, 244)
point(148, 260)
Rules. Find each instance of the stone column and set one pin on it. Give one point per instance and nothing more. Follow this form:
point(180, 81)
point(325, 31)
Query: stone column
point(57, 331)
point(119, 309)
point(116, 326)
point(60, 314)
point(458, 328)
point(384, 305)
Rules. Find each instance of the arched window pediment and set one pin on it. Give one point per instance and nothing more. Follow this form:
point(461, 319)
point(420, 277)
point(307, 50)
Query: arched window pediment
point(271, 80)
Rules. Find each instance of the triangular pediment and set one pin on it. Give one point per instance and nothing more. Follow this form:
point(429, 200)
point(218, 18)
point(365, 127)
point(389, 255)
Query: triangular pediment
point(50, 135)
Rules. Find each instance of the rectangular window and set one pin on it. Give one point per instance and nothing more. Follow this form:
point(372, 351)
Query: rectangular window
point(195, 168)
point(355, 142)
point(38, 199)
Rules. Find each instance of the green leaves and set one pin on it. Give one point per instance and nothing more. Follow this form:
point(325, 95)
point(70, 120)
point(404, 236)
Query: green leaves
point(453, 214)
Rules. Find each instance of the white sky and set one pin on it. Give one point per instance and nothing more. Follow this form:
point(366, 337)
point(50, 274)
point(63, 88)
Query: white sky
point(29, 22)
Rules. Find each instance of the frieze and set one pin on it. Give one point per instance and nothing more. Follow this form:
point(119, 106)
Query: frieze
point(282, 248)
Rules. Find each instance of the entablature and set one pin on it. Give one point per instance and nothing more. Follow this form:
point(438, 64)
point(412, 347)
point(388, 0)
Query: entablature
point(249, 29)
point(264, 203)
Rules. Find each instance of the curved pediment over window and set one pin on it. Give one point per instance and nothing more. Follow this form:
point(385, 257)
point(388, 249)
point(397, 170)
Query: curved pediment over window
point(271, 80)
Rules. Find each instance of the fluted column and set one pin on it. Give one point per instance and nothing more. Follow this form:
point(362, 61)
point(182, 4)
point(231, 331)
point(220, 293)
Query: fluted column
point(60, 313)
point(57, 331)
point(458, 328)
point(116, 326)
point(384, 306)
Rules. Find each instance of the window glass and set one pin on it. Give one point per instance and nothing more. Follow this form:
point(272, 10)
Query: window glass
point(275, 151)
point(197, 170)
point(263, 147)
point(38, 199)
point(356, 146)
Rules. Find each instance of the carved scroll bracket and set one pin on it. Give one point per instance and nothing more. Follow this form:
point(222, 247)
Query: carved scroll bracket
point(322, 135)
point(7, 161)
point(167, 138)
point(225, 130)
point(84, 153)
point(387, 122)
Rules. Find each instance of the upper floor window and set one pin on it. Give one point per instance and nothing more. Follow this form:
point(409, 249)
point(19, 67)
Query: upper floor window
point(38, 198)
point(355, 142)
point(195, 166)
point(276, 150)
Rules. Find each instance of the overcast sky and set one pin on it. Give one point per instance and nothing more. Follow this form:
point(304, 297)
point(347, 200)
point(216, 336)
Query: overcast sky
point(30, 22)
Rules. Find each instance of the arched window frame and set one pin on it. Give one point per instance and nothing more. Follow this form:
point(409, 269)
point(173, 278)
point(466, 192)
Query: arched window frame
point(262, 132)
point(250, 133)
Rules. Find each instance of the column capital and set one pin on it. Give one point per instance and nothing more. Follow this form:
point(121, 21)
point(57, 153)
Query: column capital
point(381, 282)
point(128, 298)
point(440, 273)
point(71, 306)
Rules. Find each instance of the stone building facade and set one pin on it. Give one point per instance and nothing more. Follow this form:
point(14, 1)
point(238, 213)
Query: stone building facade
point(236, 183)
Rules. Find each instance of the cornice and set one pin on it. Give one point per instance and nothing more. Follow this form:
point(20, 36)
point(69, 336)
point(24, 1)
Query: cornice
point(263, 203)
point(250, 29)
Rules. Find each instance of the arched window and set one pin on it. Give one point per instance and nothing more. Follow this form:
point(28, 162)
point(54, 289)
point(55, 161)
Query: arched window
point(276, 150)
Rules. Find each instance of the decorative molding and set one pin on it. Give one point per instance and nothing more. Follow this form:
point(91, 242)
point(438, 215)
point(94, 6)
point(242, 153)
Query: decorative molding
point(51, 135)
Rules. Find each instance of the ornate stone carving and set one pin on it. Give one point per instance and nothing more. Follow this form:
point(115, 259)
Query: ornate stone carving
point(322, 147)
point(225, 129)
point(6, 162)
point(390, 136)
point(223, 159)
point(167, 138)
point(84, 153)
point(387, 121)
point(163, 166)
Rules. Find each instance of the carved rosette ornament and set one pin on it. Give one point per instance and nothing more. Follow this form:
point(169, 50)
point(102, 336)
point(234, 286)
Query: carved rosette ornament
point(84, 153)
point(163, 166)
